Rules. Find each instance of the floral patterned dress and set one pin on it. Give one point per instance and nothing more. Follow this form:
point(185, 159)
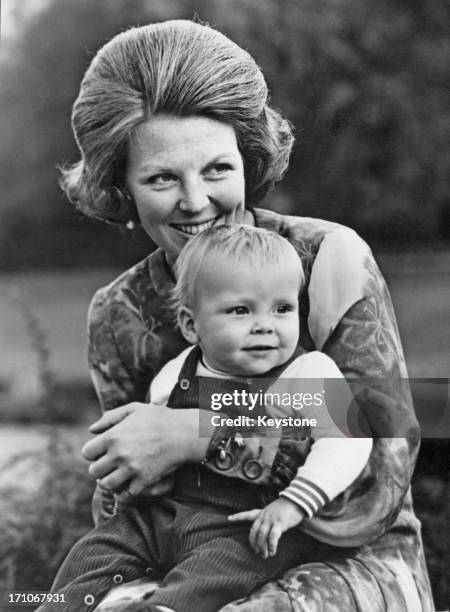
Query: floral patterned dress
point(346, 312)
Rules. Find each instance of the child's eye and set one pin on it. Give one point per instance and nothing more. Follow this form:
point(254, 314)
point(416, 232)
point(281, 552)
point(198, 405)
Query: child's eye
point(284, 308)
point(239, 310)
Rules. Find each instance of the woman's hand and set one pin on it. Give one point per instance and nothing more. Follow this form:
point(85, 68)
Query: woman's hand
point(138, 444)
point(159, 488)
point(111, 418)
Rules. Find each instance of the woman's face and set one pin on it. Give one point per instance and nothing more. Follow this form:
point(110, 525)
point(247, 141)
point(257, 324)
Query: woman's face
point(185, 174)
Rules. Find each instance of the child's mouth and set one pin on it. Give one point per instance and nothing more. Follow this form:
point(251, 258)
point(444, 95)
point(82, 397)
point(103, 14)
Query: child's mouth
point(260, 347)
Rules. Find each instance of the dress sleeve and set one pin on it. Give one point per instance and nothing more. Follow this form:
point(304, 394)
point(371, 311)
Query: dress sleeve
point(113, 352)
point(352, 320)
point(113, 363)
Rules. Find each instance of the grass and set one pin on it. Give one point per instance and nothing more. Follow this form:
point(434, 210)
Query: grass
point(39, 523)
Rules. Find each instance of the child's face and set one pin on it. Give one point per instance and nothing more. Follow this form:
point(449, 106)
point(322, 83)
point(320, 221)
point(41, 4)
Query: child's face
point(246, 318)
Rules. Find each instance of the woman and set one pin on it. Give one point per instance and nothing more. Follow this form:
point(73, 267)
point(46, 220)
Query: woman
point(175, 133)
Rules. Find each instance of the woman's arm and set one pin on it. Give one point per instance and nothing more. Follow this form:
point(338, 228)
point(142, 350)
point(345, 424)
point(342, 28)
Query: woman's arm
point(136, 443)
point(124, 352)
point(363, 341)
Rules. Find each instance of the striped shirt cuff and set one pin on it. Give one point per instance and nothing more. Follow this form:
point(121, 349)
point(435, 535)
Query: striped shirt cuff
point(306, 494)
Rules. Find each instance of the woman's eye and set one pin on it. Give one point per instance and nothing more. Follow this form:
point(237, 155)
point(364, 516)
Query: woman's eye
point(162, 179)
point(217, 170)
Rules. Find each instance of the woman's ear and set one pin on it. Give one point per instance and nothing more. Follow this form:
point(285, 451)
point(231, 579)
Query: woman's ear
point(186, 324)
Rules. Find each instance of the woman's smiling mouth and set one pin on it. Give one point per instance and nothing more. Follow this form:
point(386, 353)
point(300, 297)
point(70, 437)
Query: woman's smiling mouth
point(194, 228)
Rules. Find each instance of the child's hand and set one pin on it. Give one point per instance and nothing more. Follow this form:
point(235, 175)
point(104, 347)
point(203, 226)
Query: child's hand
point(270, 523)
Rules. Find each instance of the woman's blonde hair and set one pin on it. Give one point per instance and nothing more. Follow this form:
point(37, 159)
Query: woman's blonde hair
point(175, 67)
point(242, 245)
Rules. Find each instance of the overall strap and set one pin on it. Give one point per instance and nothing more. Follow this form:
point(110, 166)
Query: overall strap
point(185, 392)
point(192, 391)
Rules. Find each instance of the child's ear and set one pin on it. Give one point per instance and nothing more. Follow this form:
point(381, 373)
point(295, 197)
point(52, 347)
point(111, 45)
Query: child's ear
point(186, 324)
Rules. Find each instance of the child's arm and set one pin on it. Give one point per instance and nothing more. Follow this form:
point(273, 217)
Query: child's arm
point(336, 458)
point(333, 463)
point(270, 523)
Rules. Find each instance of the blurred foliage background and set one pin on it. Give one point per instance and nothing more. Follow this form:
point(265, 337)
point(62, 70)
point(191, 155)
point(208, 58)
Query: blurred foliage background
point(364, 83)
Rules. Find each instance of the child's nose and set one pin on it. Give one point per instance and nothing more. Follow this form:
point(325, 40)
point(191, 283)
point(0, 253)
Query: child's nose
point(262, 326)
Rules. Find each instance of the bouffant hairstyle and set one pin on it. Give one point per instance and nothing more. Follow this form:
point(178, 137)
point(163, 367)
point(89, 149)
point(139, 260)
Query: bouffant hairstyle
point(175, 67)
point(240, 245)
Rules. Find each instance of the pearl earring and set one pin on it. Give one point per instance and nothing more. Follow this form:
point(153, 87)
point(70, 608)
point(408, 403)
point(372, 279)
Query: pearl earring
point(130, 225)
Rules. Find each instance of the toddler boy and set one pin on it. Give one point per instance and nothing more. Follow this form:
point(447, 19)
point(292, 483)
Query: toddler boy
point(236, 299)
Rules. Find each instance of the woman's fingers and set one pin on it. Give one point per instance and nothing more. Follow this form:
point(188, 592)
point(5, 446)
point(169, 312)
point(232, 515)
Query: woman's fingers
point(116, 480)
point(101, 467)
point(98, 446)
point(147, 442)
point(95, 448)
point(161, 487)
point(136, 486)
point(110, 418)
point(248, 515)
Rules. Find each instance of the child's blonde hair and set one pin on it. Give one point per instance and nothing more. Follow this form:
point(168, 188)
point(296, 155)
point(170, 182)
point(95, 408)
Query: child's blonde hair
point(239, 244)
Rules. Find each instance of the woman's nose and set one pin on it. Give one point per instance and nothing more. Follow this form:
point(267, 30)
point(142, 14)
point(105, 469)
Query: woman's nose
point(194, 197)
